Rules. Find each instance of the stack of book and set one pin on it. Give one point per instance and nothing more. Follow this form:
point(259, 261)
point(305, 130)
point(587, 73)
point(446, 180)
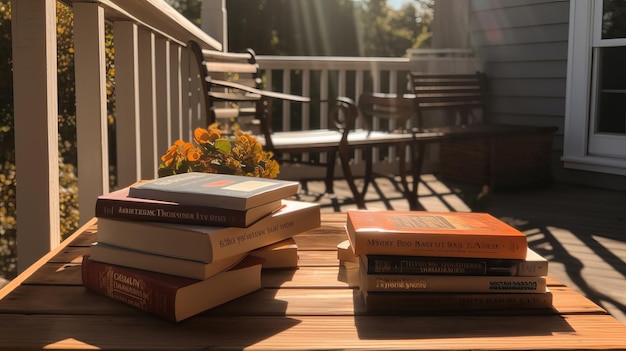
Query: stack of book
point(418, 261)
point(179, 245)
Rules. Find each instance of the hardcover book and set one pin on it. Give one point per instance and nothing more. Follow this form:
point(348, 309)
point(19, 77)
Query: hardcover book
point(283, 254)
point(102, 252)
point(205, 243)
point(215, 190)
point(422, 233)
point(444, 283)
point(423, 302)
point(345, 253)
point(118, 204)
point(167, 296)
point(534, 265)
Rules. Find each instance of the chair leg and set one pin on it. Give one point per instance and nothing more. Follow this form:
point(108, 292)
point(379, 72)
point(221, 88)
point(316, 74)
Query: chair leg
point(330, 172)
point(344, 157)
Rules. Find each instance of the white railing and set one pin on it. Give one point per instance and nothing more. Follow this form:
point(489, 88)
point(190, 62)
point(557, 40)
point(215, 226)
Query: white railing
point(157, 99)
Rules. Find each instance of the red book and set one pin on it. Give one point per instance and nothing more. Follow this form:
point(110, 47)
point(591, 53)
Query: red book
point(170, 297)
point(422, 233)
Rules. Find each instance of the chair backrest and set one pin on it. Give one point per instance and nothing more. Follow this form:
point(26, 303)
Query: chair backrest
point(239, 68)
point(390, 111)
point(460, 94)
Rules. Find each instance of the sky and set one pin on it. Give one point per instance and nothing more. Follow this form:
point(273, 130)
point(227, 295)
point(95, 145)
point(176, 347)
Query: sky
point(396, 4)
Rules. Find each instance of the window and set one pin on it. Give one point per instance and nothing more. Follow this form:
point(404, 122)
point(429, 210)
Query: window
point(595, 131)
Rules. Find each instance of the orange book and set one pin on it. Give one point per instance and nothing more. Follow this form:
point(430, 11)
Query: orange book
point(422, 233)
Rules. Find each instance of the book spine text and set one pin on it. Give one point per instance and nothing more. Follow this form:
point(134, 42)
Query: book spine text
point(128, 287)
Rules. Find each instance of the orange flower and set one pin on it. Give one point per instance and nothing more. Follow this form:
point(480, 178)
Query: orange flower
point(213, 152)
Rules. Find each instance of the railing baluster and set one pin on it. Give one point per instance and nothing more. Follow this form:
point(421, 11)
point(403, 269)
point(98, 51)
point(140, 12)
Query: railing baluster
point(147, 105)
point(127, 102)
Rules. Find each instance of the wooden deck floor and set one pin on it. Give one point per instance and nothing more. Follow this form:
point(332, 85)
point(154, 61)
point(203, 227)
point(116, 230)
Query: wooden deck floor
point(582, 231)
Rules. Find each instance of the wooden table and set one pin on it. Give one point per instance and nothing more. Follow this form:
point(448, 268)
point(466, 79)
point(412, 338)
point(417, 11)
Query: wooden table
point(314, 307)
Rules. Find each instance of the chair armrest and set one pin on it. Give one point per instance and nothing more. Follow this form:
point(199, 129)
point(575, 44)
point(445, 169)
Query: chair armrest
point(261, 92)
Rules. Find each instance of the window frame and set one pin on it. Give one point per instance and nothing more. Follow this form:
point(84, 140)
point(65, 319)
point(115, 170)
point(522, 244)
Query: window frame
point(584, 35)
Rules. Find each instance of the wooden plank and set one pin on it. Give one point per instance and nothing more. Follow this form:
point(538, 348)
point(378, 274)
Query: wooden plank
point(76, 300)
point(314, 332)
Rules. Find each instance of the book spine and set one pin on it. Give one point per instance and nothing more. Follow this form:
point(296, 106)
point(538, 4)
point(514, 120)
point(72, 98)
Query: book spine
point(166, 213)
point(439, 245)
point(424, 302)
point(274, 229)
point(434, 283)
point(391, 264)
point(129, 287)
point(208, 244)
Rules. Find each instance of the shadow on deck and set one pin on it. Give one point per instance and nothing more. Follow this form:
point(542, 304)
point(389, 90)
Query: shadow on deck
point(581, 230)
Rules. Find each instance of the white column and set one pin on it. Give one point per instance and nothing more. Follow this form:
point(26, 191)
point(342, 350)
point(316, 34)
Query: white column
point(214, 20)
point(36, 128)
point(127, 102)
point(91, 106)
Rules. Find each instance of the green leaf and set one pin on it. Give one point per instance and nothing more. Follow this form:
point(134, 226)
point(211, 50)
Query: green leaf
point(222, 145)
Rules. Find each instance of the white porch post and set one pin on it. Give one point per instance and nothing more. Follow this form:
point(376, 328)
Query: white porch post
point(91, 106)
point(36, 128)
point(214, 20)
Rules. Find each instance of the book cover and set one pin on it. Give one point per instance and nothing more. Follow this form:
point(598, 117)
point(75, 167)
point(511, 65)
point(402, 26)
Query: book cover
point(283, 254)
point(209, 243)
point(423, 302)
point(102, 252)
point(445, 283)
point(533, 265)
point(118, 204)
point(422, 233)
point(215, 190)
point(167, 296)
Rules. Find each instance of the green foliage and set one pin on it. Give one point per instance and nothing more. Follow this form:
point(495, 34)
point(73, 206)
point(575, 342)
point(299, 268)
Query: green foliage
point(328, 27)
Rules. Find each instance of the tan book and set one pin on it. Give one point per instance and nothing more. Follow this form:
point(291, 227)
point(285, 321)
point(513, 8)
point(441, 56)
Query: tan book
point(206, 243)
point(283, 254)
point(102, 252)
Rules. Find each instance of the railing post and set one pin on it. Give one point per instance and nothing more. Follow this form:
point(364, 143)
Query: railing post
point(127, 102)
point(91, 106)
point(36, 128)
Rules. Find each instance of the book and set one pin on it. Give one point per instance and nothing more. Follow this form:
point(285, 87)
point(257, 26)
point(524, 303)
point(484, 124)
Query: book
point(215, 190)
point(422, 233)
point(283, 254)
point(209, 243)
point(533, 265)
point(118, 204)
point(423, 302)
point(167, 296)
point(102, 252)
point(345, 253)
point(445, 283)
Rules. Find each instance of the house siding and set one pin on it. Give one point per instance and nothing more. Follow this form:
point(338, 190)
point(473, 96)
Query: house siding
point(523, 45)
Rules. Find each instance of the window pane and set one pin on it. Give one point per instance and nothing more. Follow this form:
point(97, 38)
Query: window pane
point(612, 91)
point(613, 19)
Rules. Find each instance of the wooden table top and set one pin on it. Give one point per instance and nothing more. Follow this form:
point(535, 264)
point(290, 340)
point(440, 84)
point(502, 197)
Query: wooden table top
point(314, 307)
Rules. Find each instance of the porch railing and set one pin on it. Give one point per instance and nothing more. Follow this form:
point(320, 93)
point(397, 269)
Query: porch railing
point(157, 100)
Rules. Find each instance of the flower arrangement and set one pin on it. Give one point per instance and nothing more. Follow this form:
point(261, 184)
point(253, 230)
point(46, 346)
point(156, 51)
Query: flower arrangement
point(216, 152)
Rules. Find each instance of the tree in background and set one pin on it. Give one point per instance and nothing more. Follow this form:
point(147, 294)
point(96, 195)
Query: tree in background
point(327, 27)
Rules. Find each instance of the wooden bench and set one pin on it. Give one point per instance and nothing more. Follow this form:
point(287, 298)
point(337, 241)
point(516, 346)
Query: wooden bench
point(476, 149)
